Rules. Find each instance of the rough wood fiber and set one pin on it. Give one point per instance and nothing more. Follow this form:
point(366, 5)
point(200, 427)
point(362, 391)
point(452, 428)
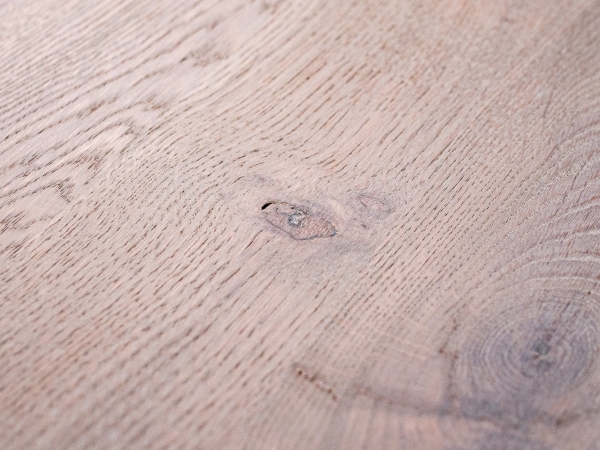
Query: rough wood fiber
point(300, 225)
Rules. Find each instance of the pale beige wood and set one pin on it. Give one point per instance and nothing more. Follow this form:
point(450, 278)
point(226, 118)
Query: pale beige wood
point(300, 225)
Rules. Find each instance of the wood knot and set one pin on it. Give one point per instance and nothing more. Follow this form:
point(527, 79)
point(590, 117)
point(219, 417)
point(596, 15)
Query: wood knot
point(517, 362)
point(542, 349)
point(296, 222)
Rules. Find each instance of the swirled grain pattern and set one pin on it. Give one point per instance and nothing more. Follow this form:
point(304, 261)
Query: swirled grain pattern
point(533, 361)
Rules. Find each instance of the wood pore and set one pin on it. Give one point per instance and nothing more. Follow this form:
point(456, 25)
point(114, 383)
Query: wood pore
point(300, 224)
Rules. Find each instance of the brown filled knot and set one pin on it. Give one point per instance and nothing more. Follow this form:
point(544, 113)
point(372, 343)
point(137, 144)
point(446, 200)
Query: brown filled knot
point(296, 222)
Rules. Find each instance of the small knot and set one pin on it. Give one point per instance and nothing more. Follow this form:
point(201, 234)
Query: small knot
point(299, 224)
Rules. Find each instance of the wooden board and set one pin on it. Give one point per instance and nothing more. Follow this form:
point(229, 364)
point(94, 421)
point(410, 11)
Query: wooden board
point(300, 225)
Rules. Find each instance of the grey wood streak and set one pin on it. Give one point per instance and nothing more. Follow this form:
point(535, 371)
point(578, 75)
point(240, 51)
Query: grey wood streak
point(300, 225)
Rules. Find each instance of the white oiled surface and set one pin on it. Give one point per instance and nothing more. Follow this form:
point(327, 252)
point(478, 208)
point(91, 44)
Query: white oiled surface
point(300, 224)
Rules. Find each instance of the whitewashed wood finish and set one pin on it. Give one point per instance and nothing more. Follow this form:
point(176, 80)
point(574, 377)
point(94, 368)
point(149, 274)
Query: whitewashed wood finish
point(438, 289)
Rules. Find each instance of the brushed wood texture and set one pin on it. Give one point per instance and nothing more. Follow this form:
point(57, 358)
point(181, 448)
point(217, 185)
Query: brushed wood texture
point(300, 224)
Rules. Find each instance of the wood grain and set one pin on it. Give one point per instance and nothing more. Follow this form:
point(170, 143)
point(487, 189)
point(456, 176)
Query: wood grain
point(300, 225)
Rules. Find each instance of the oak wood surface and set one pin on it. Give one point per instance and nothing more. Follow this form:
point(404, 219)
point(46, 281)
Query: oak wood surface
point(300, 224)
